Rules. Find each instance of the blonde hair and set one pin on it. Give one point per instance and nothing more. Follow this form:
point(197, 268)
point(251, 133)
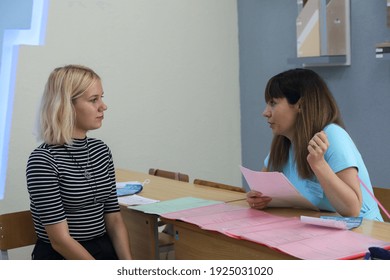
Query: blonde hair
point(318, 108)
point(57, 114)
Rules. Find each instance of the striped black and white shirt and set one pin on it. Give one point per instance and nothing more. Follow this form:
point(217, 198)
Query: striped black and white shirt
point(59, 189)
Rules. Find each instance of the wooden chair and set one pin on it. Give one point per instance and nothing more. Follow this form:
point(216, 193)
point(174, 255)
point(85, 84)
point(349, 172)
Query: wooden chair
point(165, 236)
point(218, 185)
point(16, 231)
point(383, 195)
point(169, 174)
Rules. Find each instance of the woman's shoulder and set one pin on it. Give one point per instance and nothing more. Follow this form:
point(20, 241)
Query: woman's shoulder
point(337, 134)
point(43, 148)
point(336, 130)
point(43, 152)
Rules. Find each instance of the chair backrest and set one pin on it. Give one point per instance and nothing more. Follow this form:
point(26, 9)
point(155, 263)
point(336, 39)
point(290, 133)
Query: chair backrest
point(169, 174)
point(383, 195)
point(218, 185)
point(16, 231)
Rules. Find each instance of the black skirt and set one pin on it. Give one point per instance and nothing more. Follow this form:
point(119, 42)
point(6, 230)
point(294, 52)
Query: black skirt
point(100, 248)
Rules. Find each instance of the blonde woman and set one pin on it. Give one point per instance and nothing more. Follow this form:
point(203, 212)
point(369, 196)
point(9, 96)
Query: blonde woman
point(71, 177)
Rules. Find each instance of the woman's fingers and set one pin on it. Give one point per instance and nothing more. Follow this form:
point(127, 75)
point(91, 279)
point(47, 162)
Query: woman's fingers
point(259, 202)
point(319, 143)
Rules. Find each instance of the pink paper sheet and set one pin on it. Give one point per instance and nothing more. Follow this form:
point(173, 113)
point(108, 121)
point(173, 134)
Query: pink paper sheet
point(277, 186)
point(288, 235)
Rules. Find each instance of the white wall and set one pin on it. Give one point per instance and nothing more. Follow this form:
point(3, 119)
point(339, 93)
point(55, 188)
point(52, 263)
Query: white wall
point(170, 75)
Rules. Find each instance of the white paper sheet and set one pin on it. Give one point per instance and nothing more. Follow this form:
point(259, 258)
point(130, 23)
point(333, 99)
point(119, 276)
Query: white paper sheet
point(135, 200)
point(324, 222)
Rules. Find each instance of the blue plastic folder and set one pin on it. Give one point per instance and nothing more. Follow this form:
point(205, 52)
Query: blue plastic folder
point(129, 189)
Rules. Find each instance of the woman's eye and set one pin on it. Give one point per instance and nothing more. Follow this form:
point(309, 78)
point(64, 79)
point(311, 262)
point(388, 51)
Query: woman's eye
point(96, 99)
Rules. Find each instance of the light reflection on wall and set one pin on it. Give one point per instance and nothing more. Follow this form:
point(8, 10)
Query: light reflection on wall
point(14, 32)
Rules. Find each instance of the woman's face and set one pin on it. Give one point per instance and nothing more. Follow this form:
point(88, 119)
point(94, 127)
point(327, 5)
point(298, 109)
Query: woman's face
point(281, 116)
point(89, 110)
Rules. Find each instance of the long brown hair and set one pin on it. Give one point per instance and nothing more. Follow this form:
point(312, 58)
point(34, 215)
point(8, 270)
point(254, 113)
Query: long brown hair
point(318, 108)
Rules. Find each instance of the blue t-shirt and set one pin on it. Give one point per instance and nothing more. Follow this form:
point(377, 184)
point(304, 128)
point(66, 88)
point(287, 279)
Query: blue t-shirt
point(341, 154)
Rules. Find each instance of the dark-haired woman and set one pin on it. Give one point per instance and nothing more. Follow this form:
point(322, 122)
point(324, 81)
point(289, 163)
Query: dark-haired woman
point(312, 148)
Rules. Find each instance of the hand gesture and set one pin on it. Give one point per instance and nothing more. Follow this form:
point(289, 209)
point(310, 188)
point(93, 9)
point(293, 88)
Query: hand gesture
point(317, 147)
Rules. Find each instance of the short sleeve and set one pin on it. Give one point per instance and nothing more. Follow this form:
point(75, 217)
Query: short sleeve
point(342, 152)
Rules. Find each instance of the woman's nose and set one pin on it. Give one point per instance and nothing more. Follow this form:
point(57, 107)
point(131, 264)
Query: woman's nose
point(103, 107)
point(267, 112)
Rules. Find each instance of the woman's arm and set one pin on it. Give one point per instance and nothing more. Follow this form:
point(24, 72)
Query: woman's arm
point(115, 226)
point(342, 189)
point(118, 233)
point(64, 244)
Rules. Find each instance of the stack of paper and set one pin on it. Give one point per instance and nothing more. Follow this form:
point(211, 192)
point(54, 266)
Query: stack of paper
point(135, 199)
point(277, 186)
point(333, 221)
point(289, 235)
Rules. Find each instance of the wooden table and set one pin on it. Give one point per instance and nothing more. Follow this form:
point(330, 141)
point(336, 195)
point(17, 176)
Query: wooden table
point(142, 227)
point(193, 242)
point(165, 189)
